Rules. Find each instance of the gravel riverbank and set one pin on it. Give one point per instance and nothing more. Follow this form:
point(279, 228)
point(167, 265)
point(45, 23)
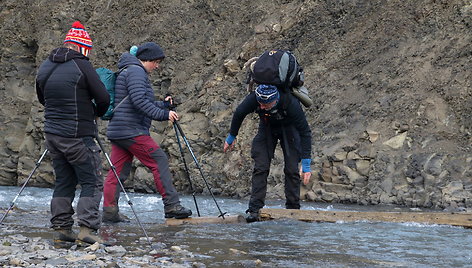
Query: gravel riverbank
point(17, 250)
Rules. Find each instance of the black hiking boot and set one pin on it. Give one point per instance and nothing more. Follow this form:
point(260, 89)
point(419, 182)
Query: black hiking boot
point(252, 216)
point(112, 215)
point(178, 212)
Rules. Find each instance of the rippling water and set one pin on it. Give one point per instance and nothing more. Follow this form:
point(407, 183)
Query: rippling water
point(281, 243)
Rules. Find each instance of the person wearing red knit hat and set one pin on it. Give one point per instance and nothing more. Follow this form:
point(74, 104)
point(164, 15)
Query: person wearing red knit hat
point(78, 35)
point(73, 96)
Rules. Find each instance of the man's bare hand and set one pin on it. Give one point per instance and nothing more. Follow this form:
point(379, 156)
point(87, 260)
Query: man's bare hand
point(228, 147)
point(169, 99)
point(305, 176)
point(173, 116)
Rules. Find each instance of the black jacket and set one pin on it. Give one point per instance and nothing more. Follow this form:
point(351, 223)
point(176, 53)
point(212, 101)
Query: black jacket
point(289, 112)
point(72, 94)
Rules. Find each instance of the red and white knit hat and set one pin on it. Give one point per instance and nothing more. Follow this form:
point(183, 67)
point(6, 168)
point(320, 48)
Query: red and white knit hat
point(79, 36)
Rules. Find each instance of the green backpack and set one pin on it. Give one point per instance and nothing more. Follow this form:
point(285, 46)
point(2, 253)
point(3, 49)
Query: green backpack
point(108, 78)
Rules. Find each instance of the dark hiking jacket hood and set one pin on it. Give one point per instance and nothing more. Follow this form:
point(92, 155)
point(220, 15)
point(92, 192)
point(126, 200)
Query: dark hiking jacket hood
point(61, 55)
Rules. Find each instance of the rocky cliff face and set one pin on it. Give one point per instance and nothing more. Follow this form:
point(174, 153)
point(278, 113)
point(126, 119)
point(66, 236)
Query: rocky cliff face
point(391, 83)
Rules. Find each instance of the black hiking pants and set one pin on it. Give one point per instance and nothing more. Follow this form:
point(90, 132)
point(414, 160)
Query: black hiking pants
point(75, 161)
point(263, 148)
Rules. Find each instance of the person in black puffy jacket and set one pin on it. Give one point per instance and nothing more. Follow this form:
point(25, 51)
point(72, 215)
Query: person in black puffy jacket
point(73, 96)
point(129, 134)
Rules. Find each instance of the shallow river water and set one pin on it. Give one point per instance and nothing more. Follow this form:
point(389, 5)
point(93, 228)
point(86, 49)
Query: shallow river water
point(280, 243)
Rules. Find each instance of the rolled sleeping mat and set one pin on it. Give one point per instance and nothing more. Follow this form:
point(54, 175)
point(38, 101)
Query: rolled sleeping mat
point(301, 93)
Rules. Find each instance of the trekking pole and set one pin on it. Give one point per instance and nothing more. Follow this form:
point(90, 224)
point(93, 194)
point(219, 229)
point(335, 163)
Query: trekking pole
point(198, 166)
point(122, 188)
point(24, 185)
point(186, 168)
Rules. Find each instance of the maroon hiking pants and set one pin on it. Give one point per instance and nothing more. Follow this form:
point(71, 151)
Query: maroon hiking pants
point(152, 156)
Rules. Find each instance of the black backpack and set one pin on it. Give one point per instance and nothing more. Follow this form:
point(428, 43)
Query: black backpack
point(279, 68)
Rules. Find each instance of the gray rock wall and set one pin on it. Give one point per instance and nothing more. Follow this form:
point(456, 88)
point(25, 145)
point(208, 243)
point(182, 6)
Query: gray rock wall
point(391, 83)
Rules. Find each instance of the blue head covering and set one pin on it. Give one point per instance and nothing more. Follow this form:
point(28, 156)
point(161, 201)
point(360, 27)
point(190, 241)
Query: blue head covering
point(267, 93)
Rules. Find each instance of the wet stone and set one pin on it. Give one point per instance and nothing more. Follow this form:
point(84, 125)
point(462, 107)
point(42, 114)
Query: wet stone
point(57, 261)
point(4, 260)
point(198, 265)
point(115, 249)
point(20, 238)
point(158, 245)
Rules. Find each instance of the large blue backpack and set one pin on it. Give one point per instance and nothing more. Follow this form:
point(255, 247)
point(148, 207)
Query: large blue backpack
point(108, 78)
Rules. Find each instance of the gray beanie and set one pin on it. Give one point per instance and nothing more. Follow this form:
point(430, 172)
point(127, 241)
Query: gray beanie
point(149, 51)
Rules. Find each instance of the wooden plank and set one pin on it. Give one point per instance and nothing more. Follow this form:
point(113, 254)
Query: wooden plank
point(455, 219)
point(203, 220)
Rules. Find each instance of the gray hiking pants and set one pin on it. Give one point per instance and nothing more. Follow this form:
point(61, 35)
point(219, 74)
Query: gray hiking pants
point(75, 161)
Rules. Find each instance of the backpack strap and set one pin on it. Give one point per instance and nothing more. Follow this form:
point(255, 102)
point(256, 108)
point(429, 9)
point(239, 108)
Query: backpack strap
point(285, 138)
point(284, 101)
point(116, 107)
point(118, 73)
point(292, 71)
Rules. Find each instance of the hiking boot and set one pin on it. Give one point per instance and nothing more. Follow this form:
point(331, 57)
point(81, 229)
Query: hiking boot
point(64, 235)
point(89, 235)
point(111, 215)
point(178, 212)
point(252, 216)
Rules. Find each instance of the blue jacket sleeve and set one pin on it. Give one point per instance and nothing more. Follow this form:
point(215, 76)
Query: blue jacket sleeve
point(162, 104)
